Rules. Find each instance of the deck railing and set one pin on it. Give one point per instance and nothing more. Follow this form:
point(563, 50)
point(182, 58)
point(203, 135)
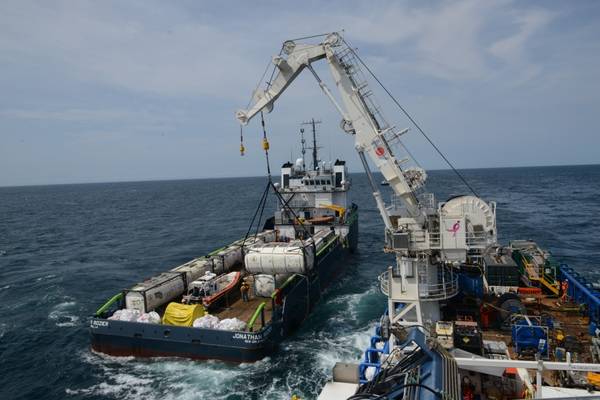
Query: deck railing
point(260, 310)
point(472, 239)
point(384, 283)
point(439, 291)
point(427, 292)
point(117, 297)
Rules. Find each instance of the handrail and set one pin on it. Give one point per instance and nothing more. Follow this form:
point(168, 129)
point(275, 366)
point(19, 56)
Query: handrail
point(329, 243)
point(109, 303)
point(252, 319)
point(427, 292)
point(439, 291)
point(384, 282)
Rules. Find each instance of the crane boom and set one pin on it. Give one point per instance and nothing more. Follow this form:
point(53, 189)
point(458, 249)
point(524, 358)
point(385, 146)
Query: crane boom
point(358, 115)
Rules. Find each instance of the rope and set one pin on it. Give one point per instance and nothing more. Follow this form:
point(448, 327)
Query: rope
point(462, 178)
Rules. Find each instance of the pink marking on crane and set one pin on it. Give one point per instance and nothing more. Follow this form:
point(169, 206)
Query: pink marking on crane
point(455, 228)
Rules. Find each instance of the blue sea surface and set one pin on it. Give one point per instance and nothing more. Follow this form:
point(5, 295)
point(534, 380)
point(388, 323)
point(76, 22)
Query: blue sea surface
point(65, 249)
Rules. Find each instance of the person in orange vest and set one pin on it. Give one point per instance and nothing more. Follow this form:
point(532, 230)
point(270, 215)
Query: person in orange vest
point(244, 289)
point(564, 286)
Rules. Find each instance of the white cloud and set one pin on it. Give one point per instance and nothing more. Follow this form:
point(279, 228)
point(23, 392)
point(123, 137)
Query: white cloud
point(159, 48)
point(512, 49)
point(132, 50)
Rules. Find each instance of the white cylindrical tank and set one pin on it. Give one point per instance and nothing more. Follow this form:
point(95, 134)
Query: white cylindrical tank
point(217, 264)
point(268, 236)
point(264, 285)
point(194, 269)
point(155, 292)
point(279, 258)
point(231, 256)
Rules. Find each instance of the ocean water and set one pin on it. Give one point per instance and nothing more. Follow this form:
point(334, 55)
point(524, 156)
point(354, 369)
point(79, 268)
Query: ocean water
point(65, 249)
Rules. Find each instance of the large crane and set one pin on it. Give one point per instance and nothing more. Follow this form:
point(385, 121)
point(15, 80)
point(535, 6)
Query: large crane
point(358, 117)
point(427, 241)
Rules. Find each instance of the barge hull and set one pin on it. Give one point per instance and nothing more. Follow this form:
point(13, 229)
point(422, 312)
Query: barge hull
point(123, 338)
point(120, 338)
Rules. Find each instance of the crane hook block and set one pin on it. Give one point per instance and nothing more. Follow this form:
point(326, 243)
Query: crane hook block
point(242, 149)
point(265, 144)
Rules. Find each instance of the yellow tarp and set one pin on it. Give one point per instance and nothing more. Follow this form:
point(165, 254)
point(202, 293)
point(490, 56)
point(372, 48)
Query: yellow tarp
point(182, 314)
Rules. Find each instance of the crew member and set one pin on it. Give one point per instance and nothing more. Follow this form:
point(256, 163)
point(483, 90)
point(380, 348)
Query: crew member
point(244, 289)
point(565, 288)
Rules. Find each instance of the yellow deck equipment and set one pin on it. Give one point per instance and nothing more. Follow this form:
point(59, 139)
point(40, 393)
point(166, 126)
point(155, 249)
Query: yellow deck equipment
point(182, 314)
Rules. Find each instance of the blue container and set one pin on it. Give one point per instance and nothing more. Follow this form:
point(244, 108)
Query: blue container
point(471, 285)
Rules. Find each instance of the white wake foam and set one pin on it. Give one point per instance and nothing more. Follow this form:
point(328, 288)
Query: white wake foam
point(302, 366)
point(46, 277)
point(62, 314)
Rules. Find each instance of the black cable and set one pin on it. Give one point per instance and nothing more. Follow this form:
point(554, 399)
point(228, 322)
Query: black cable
point(281, 199)
point(437, 394)
point(274, 68)
point(411, 119)
point(262, 199)
point(259, 82)
point(394, 389)
point(265, 144)
point(309, 37)
point(364, 396)
point(285, 205)
point(260, 216)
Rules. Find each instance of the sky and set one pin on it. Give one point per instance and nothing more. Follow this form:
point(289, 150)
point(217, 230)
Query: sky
point(101, 91)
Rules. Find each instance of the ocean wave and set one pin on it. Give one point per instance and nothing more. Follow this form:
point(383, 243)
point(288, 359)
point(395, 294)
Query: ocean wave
point(62, 315)
point(350, 305)
point(163, 378)
point(46, 277)
point(344, 348)
point(119, 386)
point(274, 378)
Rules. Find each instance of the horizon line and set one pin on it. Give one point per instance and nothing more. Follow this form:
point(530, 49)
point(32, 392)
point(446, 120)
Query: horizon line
point(260, 176)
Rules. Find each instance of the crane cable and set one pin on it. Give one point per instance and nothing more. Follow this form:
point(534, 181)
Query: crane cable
point(265, 144)
point(242, 148)
point(462, 178)
point(284, 203)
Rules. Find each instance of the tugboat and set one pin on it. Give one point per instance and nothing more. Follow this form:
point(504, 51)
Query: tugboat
point(467, 318)
point(240, 301)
